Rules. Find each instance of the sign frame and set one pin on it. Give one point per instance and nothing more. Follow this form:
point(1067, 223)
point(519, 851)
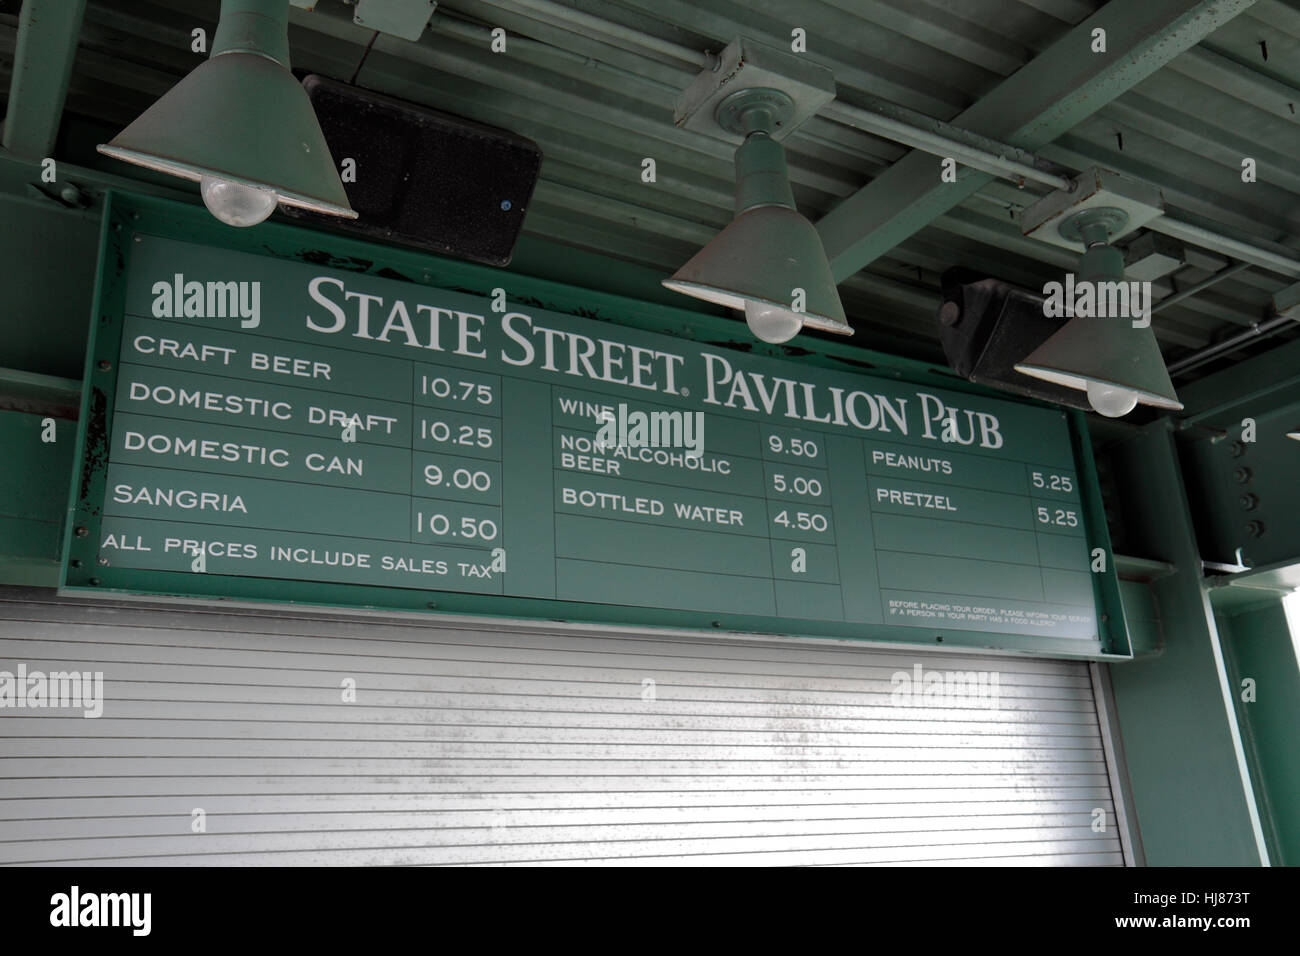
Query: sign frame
point(128, 215)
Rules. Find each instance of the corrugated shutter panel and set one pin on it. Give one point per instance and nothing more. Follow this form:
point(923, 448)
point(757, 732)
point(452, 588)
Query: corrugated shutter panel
point(477, 744)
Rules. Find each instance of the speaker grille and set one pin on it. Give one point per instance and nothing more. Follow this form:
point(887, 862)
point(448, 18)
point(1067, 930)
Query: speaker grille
point(426, 178)
point(995, 326)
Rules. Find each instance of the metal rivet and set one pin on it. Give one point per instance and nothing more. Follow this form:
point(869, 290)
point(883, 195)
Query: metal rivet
point(105, 365)
point(83, 531)
point(949, 313)
point(1243, 475)
point(75, 562)
point(1249, 502)
point(103, 562)
point(94, 582)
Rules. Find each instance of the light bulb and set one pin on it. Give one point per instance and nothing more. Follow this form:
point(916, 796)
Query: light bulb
point(772, 324)
point(1111, 400)
point(236, 204)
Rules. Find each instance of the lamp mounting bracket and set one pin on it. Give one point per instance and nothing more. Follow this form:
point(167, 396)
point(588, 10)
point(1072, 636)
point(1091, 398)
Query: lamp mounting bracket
point(757, 109)
point(1094, 189)
point(1098, 224)
point(746, 66)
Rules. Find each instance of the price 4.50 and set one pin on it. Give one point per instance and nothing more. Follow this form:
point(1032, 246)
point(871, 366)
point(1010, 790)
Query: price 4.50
point(801, 520)
point(1057, 516)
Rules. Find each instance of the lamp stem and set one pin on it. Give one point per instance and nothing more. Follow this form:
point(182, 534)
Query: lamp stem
point(260, 27)
point(762, 178)
point(1094, 234)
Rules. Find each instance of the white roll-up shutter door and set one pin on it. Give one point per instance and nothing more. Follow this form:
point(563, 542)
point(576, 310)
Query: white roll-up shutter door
point(476, 743)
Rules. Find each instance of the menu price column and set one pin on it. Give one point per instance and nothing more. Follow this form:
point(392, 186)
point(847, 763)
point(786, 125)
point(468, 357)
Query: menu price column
point(456, 441)
point(797, 485)
point(1062, 539)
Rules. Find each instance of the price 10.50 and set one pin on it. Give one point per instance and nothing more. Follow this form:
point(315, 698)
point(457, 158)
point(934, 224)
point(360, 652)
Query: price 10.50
point(442, 526)
point(1060, 517)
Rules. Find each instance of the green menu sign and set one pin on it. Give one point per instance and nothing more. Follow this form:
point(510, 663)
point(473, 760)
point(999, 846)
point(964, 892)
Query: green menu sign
point(264, 428)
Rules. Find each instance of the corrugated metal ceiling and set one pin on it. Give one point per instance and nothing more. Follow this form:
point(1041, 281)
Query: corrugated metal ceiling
point(598, 104)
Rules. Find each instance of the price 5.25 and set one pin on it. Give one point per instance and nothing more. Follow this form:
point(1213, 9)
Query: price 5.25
point(1057, 516)
point(1051, 482)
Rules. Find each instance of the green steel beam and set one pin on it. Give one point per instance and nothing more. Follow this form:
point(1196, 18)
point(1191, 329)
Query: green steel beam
point(1256, 386)
point(1257, 645)
point(1192, 789)
point(47, 45)
point(39, 394)
point(1042, 100)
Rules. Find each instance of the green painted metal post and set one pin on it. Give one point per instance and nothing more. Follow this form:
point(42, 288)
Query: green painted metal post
point(1194, 798)
point(1259, 650)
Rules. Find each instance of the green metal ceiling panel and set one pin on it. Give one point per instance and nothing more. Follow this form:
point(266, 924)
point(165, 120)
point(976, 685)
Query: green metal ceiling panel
point(594, 84)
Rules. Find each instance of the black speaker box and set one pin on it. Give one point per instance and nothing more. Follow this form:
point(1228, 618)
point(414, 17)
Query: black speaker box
point(425, 178)
point(986, 326)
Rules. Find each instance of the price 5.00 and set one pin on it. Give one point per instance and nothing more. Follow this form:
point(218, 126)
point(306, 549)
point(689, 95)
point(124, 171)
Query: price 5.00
point(1057, 516)
point(798, 485)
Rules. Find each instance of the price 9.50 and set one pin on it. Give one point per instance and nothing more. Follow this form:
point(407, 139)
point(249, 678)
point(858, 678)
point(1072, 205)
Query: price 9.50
point(804, 448)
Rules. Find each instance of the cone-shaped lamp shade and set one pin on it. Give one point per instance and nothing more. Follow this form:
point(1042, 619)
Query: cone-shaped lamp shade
point(240, 117)
point(1108, 352)
point(769, 251)
point(1117, 364)
point(761, 258)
